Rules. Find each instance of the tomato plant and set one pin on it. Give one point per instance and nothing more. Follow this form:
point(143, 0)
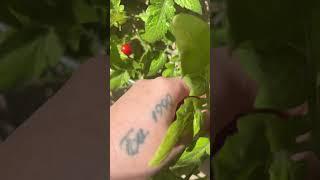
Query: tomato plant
point(41, 44)
point(277, 43)
point(35, 39)
point(126, 49)
point(169, 38)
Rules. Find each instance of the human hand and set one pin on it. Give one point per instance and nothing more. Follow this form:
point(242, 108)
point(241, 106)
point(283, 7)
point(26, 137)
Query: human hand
point(138, 123)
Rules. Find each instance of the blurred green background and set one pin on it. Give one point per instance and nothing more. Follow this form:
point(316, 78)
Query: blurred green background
point(41, 43)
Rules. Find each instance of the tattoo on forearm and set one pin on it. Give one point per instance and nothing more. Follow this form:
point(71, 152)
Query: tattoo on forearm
point(131, 142)
point(163, 105)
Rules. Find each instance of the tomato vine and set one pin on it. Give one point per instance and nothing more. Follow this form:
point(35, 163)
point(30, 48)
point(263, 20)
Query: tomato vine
point(277, 44)
point(169, 38)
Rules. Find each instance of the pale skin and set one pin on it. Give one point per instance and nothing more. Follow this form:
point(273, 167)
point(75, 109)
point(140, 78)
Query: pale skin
point(141, 117)
point(137, 127)
point(139, 121)
point(68, 132)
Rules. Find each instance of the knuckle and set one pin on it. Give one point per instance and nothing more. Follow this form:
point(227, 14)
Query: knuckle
point(163, 82)
point(181, 87)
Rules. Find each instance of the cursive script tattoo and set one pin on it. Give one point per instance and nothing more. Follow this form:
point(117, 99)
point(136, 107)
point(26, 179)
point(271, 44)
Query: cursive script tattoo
point(163, 105)
point(131, 142)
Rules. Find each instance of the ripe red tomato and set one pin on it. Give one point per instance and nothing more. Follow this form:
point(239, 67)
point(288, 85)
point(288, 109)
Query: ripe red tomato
point(126, 49)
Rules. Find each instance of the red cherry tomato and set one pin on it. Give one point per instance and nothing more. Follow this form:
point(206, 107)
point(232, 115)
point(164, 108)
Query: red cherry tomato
point(126, 49)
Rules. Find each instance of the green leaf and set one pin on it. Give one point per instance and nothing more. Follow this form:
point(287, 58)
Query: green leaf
point(160, 14)
point(170, 65)
point(168, 73)
point(143, 16)
point(193, 40)
point(147, 58)
point(26, 54)
point(52, 50)
point(193, 5)
point(157, 64)
point(115, 3)
point(244, 155)
point(282, 168)
point(198, 122)
point(281, 77)
point(282, 133)
point(197, 84)
point(84, 12)
point(118, 80)
point(193, 156)
point(117, 14)
point(177, 129)
point(138, 66)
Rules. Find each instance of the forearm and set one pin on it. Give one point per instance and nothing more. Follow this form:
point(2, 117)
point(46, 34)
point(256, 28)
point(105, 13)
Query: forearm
point(65, 138)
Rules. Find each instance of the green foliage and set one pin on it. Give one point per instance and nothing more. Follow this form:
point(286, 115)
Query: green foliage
point(117, 14)
point(193, 5)
point(197, 83)
point(178, 128)
point(274, 83)
point(192, 38)
point(192, 157)
point(159, 12)
point(260, 138)
point(243, 155)
point(39, 34)
point(157, 64)
point(37, 50)
point(118, 80)
point(283, 168)
point(159, 35)
point(277, 44)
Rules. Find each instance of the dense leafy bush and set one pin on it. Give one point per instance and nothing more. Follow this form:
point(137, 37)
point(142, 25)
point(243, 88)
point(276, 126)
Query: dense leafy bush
point(41, 43)
point(34, 36)
point(169, 38)
point(277, 42)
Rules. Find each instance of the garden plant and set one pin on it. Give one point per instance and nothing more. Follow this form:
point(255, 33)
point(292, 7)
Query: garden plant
point(277, 43)
point(169, 38)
